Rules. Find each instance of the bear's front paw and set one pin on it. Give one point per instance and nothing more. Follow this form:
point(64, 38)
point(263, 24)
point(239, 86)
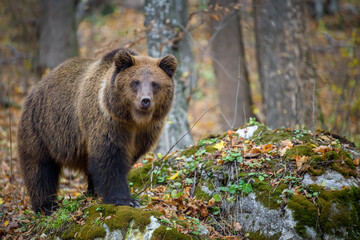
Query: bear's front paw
point(134, 203)
point(125, 202)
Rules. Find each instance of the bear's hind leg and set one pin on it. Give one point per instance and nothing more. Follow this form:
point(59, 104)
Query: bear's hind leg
point(91, 188)
point(42, 182)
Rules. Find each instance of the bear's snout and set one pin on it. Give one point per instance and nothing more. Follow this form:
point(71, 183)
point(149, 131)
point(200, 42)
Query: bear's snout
point(145, 102)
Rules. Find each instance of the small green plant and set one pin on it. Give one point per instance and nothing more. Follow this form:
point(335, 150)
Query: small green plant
point(236, 188)
point(232, 156)
point(207, 141)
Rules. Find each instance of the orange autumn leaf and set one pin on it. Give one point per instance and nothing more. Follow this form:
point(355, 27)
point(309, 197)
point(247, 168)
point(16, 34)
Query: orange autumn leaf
point(268, 147)
point(230, 132)
point(215, 17)
point(138, 165)
point(300, 160)
point(356, 162)
point(255, 150)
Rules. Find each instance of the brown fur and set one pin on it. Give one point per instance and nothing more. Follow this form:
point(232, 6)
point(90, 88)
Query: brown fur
point(96, 116)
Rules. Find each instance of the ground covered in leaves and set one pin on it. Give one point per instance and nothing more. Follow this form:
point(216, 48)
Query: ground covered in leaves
point(189, 190)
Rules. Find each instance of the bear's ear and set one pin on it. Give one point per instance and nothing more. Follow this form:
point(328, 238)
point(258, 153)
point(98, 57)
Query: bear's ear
point(123, 60)
point(168, 64)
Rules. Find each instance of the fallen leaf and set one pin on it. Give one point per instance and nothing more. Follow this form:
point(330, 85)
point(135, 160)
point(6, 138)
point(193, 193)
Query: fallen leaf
point(356, 162)
point(283, 151)
point(211, 202)
point(230, 132)
point(268, 147)
point(215, 17)
point(255, 150)
point(300, 160)
point(287, 143)
point(237, 227)
point(1, 201)
point(6, 223)
point(203, 211)
point(220, 145)
point(175, 175)
point(138, 165)
point(322, 149)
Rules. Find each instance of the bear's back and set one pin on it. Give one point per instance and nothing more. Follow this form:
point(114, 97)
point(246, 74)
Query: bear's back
point(50, 114)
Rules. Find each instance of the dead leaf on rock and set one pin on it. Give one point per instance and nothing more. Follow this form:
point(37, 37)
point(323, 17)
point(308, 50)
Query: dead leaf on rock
point(237, 227)
point(300, 160)
point(283, 151)
point(287, 143)
point(322, 149)
point(356, 162)
point(268, 147)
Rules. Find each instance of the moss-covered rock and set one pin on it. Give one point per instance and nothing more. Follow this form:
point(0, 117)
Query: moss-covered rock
point(301, 150)
point(265, 135)
point(190, 151)
point(137, 176)
point(334, 213)
point(304, 212)
point(268, 195)
point(164, 232)
point(102, 218)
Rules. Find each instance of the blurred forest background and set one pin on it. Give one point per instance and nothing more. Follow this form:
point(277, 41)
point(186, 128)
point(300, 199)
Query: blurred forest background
point(287, 63)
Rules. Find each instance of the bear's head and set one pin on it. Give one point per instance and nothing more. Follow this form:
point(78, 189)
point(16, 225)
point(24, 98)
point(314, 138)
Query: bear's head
point(141, 89)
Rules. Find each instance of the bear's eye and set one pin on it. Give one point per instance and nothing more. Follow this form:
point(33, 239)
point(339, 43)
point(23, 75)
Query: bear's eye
point(136, 83)
point(154, 84)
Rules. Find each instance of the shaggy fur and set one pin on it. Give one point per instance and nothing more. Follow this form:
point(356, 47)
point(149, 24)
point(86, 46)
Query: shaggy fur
point(96, 116)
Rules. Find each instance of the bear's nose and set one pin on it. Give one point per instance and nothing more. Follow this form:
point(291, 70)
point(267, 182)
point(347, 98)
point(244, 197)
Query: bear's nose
point(145, 101)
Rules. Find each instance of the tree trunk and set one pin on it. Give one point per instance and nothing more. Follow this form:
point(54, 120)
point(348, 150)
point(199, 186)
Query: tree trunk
point(166, 21)
point(230, 65)
point(57, 33)
point(283, 62)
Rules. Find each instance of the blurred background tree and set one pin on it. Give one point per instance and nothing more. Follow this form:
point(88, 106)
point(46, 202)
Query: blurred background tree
point(58, 41)
point(284, 62)
point(229, 63)
point(257, 57)
point(166, 23)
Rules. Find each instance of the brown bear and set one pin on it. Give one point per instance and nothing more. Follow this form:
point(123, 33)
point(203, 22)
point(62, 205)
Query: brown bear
point(95, 116)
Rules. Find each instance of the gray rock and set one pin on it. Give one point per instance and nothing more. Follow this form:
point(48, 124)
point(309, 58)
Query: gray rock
point(330, 180)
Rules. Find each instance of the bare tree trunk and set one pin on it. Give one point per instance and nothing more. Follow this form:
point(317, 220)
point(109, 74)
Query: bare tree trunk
point(57, 33)
point(283, 62)
point(229, 65)
point(166, 21)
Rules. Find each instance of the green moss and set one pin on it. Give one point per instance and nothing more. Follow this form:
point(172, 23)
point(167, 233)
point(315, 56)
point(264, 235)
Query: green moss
point(138, 175)
point(301, 150)
point(339, 212)
point(316, 163)
point(92, 228)
point(316, 171)
point(200, 194)
point(265, 135)
point(343, 163)
point(88, 231)
point(120, 219)
point(163, 234)
point(190, 151)
point(332, 155)
point(266, 194)
point(210, 148)
point(125, 214)
point(305, 213)
point(259, 236)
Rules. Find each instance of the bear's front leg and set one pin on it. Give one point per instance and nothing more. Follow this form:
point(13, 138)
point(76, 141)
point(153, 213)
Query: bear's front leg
point(108, 168)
